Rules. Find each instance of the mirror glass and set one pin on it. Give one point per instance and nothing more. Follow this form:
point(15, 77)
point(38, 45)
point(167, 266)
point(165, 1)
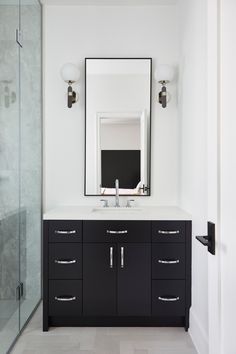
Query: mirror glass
point(118, 115)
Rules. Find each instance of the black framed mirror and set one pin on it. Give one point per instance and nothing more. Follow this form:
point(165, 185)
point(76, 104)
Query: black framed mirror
point(118, 125)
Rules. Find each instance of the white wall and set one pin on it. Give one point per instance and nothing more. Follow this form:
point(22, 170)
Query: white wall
point(228, 176)
point(193, 137)
point(73, 33)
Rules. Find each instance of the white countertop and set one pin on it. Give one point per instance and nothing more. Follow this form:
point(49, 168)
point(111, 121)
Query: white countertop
point(96, 213)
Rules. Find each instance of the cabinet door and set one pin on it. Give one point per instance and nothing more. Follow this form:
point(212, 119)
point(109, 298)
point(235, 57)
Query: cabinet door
point(99, 279)
point(134, 279)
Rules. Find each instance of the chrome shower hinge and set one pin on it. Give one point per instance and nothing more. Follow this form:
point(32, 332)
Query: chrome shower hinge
point(19, 37)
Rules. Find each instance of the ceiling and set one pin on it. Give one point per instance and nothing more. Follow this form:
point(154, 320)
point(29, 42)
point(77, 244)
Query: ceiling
point(109, 2)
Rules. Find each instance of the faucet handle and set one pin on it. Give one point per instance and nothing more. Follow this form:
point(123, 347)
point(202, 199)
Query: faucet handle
point(105, 203)
point(128, 205)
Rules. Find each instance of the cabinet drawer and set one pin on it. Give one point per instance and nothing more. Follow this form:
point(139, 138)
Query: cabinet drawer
point(65, 231)
point(65, 297)
point(65, 261)
point(168, 231)
point(117, 231)
point(168, 261)
point(168, 297)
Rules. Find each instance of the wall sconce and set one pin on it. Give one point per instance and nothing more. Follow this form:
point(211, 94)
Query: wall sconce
point(164, 74)
point(70, 74)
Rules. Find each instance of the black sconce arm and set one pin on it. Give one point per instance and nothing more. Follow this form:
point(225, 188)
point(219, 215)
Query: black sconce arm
point(71, 96)
point(163, 96)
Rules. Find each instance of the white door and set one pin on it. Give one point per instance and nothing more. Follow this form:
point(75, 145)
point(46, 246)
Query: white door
point(213, 178)
point(143, 148)
point(227, 240)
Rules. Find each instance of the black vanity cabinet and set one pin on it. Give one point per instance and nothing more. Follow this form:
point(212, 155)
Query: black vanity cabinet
point(117, 273)
point(117, 281)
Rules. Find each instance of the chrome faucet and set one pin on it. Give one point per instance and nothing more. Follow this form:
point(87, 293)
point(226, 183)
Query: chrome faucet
point(117, 203)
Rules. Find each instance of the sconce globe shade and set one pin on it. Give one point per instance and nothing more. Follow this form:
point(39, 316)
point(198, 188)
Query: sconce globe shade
point(70, 73)
point(164, 73)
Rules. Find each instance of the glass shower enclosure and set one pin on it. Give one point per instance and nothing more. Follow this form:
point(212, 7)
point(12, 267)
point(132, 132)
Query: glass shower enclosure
point(20, 165)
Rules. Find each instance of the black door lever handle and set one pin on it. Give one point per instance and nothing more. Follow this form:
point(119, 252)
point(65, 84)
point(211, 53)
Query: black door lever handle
point(203, 239)
point(209, 240)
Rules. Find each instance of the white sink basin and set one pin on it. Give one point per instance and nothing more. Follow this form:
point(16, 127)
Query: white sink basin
point(115, 210)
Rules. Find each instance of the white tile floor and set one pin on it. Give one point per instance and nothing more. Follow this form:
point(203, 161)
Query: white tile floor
point(102, 340)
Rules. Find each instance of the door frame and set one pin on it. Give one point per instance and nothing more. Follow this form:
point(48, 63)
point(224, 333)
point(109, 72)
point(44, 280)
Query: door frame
point(213, 172)
point(99, 117)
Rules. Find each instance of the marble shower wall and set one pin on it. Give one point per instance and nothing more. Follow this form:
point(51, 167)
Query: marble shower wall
point(9, 255)
point(9, 155)
point(9, 110)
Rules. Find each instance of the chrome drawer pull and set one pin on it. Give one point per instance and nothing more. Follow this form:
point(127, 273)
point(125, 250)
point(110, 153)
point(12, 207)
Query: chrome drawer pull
point(64, 298)
point(64, 261)
point(168, 298)
point(117, 232)
point(162, 261)
point(111, 257)
point(60, 232)
point(122, 257)
point(168, 232)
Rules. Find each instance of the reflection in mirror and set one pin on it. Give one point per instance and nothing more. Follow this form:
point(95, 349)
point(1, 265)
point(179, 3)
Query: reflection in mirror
point(118, 95)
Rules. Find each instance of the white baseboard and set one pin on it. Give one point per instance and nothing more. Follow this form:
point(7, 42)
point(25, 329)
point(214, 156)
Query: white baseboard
point(198, 335)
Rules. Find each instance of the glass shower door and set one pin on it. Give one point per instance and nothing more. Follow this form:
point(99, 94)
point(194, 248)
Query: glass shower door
point(20, 166)
point(9, 174)
point(30, 157)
